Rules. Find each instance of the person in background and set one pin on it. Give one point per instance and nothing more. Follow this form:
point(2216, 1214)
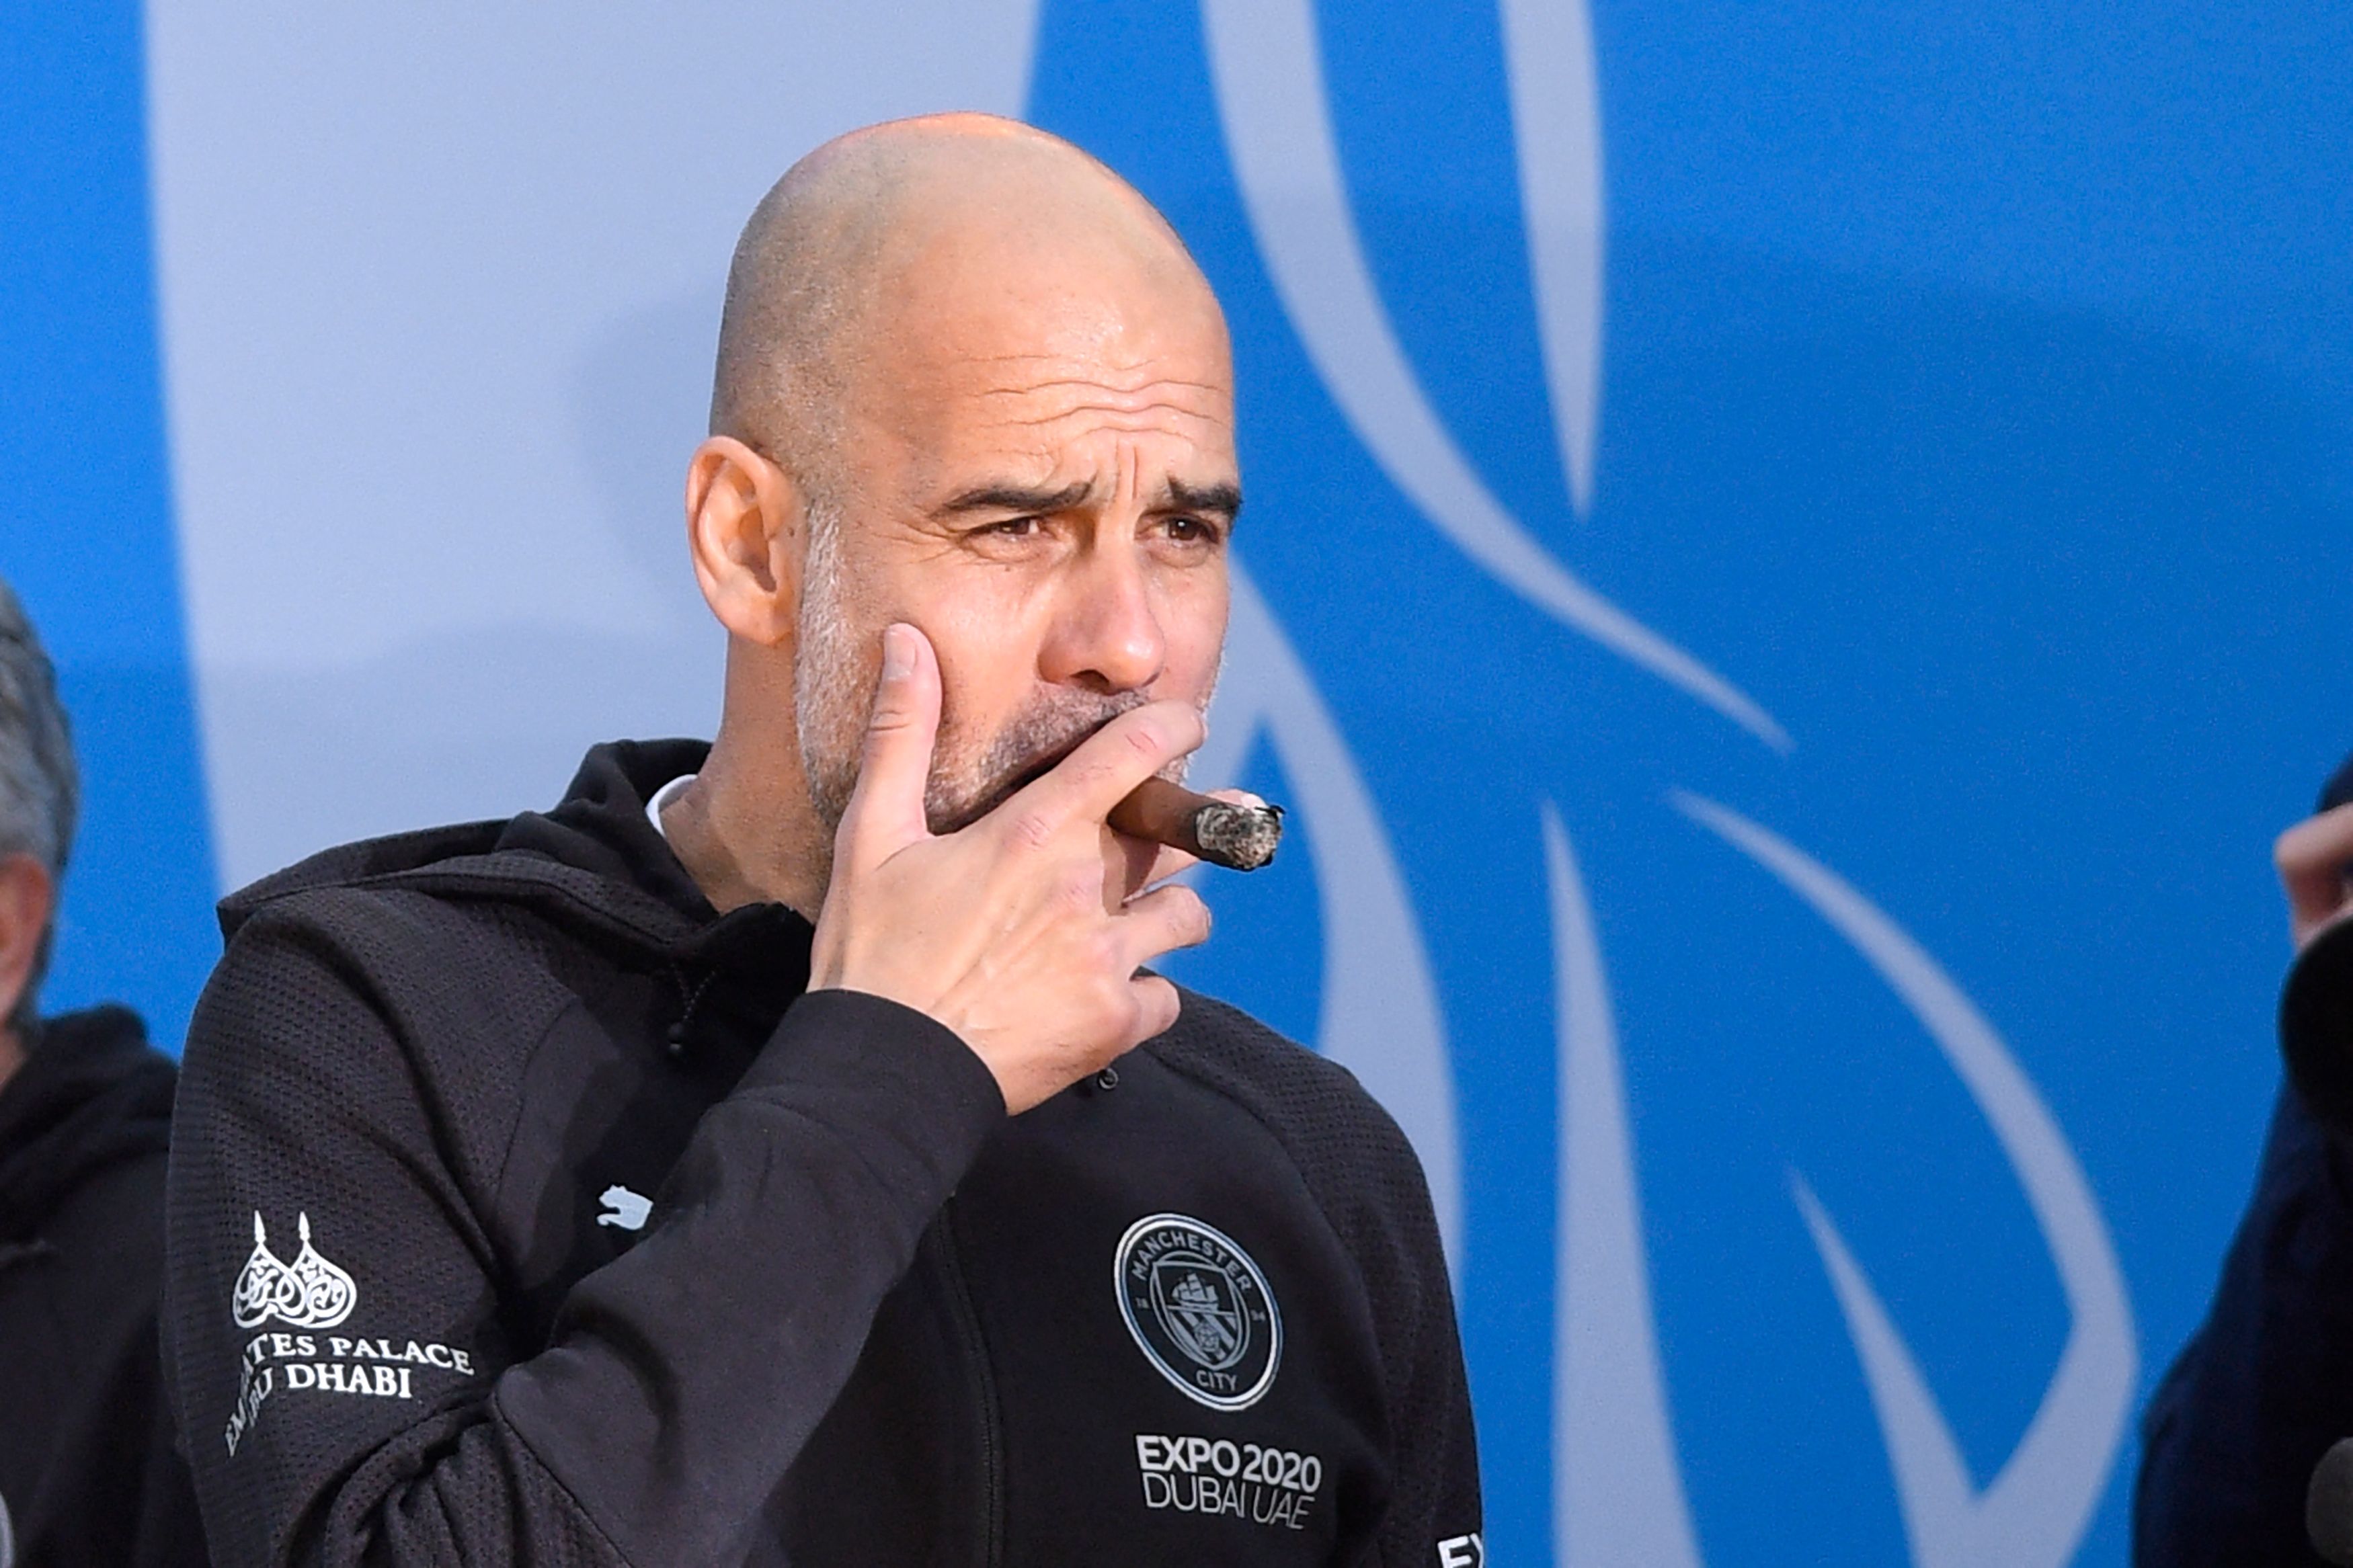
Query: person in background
point(88, 1472)
point(2266, 1385)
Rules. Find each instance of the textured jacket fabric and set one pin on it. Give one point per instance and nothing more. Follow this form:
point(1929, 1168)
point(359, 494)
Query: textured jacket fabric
point(420, 1308)
point(87, 1469)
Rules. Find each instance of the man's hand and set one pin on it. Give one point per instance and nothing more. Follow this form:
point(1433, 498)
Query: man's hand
point(2313, 858)
point(1023, 931)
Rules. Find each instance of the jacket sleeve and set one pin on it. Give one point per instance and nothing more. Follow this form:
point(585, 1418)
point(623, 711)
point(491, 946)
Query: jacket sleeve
point(340, 1360)
point(1434, 1519)
point(2266, 1385)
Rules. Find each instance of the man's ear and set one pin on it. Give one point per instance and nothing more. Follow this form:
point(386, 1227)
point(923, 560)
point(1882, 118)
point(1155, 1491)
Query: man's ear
point(27, 898)
point(746, 527)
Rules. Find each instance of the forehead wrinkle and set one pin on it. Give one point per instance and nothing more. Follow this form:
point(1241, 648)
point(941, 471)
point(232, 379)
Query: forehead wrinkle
point(1140, 363)
point(1139, 390)
point(1139, 419)
point(1093, 389)
point(1077, 396)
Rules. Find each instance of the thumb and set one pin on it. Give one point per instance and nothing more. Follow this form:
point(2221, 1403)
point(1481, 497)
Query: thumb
point(2312, 858)
point(885, 812)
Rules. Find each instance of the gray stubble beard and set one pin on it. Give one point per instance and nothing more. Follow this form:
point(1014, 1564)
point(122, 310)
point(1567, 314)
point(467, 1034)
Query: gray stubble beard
point(833, 684)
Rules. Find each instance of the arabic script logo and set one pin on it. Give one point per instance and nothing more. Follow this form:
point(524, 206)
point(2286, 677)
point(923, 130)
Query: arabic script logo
point(307, 1293)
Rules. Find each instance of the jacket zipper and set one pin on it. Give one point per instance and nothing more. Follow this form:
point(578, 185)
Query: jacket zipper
point(984, 1385)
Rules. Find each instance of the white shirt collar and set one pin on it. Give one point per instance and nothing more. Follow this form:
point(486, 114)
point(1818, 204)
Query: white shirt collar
point(663, 797)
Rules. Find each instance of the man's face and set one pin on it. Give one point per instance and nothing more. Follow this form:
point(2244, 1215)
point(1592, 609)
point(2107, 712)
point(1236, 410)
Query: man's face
point(1037, 472)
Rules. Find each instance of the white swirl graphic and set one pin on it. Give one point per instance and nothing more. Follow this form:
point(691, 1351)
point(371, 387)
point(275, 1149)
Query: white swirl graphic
point(1557, 131)
point(1618, 1496)
point(1381, 1018)
point(1269, 79)
point(307, 1293)
point(2037, 1507)
point(1618, 1493)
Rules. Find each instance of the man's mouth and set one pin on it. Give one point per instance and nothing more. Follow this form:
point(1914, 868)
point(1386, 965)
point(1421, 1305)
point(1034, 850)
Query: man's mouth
point(1050, 760)
point(1012, 782)
point(1031, 772)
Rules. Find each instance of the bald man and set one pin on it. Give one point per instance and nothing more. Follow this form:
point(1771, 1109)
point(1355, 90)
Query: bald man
point(780, 1151)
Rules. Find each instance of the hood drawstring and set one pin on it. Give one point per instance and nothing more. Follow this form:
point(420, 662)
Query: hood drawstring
point(674, 1038)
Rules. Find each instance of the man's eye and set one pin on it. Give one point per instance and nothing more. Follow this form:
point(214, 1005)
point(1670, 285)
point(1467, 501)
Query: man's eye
point(1014, 526)
point(1192, 531)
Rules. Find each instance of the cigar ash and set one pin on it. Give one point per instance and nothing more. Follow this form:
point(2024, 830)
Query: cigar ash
point(1239, 837)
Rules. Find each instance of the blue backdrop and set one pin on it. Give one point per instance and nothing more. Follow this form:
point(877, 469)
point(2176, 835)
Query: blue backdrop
point(1795, 564)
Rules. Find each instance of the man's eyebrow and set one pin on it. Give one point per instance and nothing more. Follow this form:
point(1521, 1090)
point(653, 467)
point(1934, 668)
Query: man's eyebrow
point(1016, 499)
point(1219, 501)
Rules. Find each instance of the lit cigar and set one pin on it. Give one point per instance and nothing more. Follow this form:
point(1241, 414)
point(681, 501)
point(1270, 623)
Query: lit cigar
point(1240, 837)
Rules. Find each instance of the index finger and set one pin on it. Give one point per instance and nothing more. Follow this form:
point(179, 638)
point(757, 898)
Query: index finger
point(1132, 748)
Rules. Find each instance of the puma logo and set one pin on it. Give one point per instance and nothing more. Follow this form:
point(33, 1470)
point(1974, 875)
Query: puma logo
point(629, 1210)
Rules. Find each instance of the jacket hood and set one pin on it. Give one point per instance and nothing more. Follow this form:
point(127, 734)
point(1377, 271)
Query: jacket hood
point(91, 1093)
point(594, 864)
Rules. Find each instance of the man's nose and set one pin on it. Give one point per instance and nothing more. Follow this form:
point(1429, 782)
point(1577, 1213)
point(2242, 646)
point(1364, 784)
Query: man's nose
point(1107, 635)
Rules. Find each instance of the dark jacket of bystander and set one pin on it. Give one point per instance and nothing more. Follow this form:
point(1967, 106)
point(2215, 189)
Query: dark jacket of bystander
point(2266, 1385)
point(88, 1473)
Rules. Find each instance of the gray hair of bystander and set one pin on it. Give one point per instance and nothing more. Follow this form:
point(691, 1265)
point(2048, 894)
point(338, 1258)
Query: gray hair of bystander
point(41, 788)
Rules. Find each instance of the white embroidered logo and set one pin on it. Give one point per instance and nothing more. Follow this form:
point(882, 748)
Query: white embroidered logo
point(1462, 1551)
point(629, 1210)
point(307, 1293)
point(1199, 1309)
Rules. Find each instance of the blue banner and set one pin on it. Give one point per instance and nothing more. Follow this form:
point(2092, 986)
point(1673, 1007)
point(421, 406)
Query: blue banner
point(1791, 572)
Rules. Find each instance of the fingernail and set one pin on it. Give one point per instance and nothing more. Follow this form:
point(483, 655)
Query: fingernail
point(898, 652)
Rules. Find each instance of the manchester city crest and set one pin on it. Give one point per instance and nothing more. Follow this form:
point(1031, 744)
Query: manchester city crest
point(1199, 1308)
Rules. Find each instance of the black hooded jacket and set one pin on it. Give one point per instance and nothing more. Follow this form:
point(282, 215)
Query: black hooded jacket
point(419, 1308)
point(88, 1471)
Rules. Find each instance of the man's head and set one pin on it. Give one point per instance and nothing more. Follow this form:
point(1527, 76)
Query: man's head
point(970, 380)
point(39, 796)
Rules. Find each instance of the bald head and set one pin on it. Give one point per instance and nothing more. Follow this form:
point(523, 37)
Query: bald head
point(876, 242)
point(971, 382)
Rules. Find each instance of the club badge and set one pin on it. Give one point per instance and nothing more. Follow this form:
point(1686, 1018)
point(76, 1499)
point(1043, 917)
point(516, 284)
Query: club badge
point(1199, 1309)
